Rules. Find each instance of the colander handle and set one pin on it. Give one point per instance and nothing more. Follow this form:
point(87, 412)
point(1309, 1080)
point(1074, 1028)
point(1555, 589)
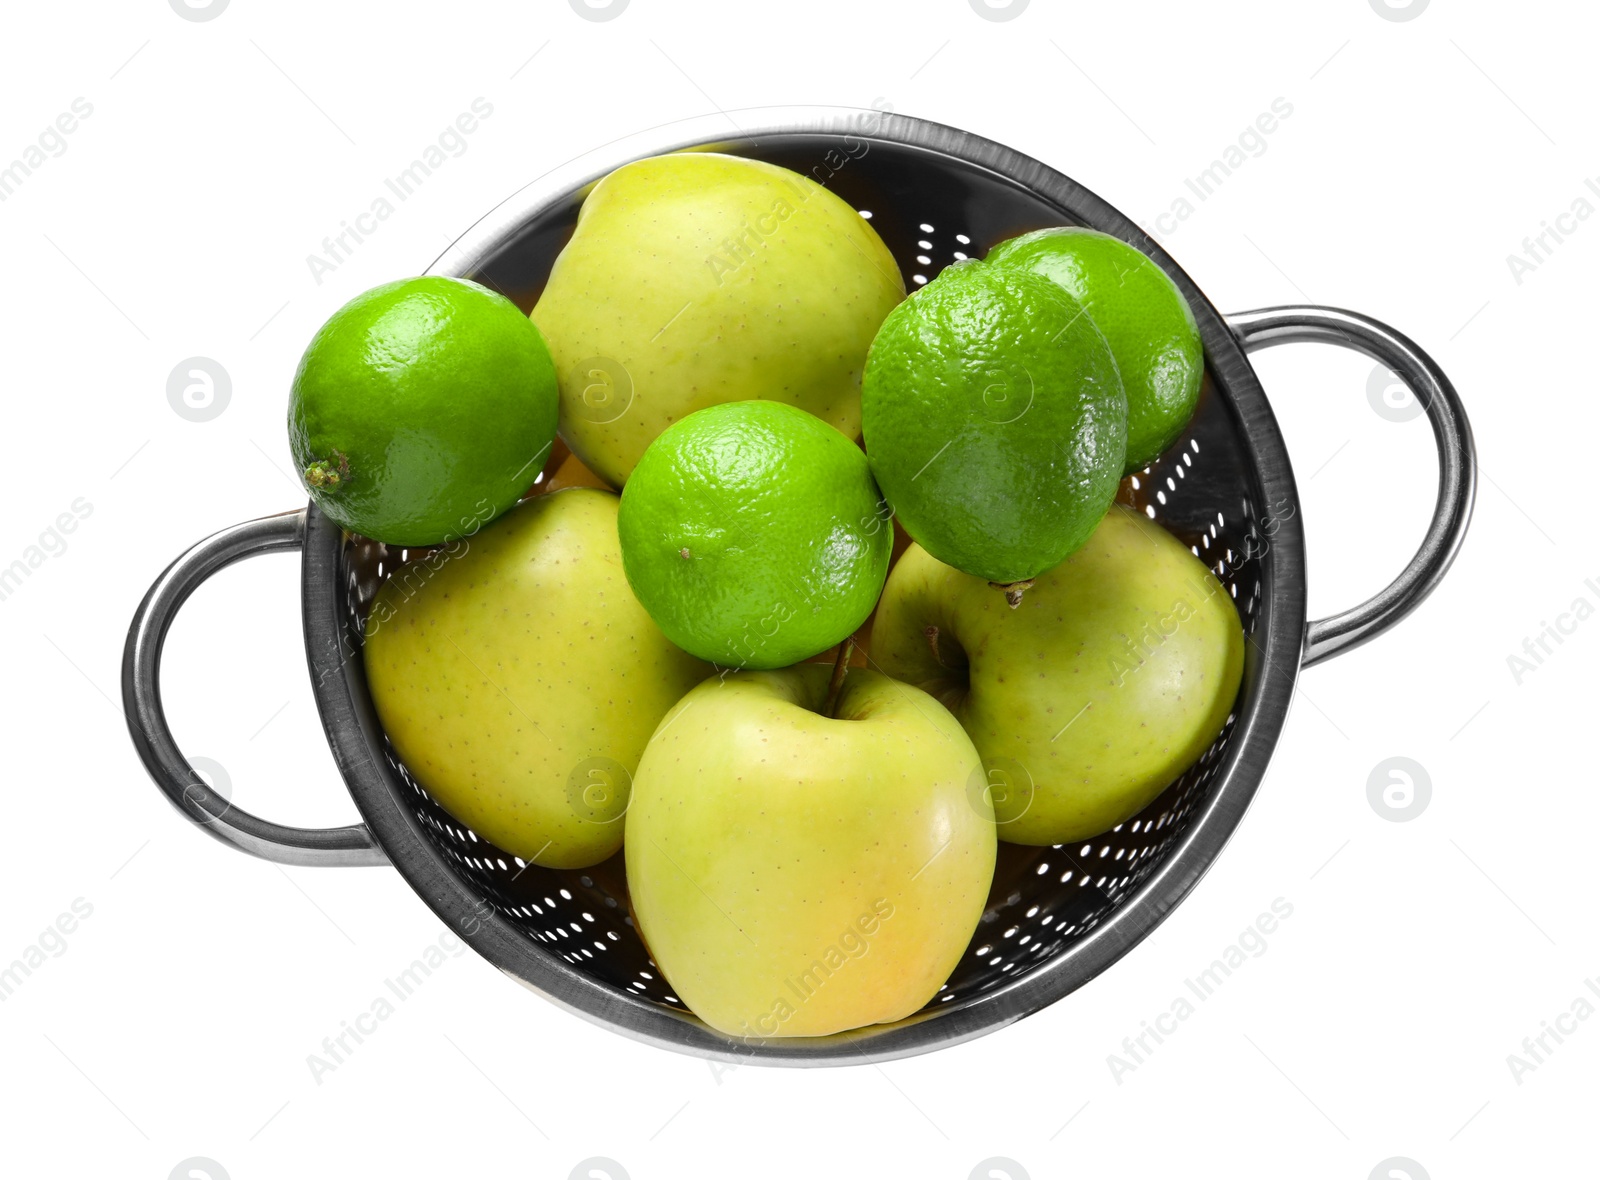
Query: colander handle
point(147, 720)
point(1458, 464)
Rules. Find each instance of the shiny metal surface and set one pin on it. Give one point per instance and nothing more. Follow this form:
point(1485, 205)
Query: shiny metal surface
point(147, 720)
point(1056, 917)
point(1458, 469)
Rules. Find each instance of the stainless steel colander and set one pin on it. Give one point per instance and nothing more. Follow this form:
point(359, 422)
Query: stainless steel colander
point(1057, 917)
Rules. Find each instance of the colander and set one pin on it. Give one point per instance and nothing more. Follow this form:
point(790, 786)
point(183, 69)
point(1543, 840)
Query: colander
point(1057, 916)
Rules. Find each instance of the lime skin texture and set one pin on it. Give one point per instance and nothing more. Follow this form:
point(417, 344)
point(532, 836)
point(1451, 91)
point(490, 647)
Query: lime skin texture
point(1114, 674)
point(796, 874)
point(754, 534)
point(697, 278)
point(519, 678)
point(1144, 317)
point(422, 410)
point(994, 419)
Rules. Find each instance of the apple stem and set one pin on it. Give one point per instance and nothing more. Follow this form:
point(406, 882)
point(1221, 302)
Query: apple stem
point(836, 681)
point(1013, 591)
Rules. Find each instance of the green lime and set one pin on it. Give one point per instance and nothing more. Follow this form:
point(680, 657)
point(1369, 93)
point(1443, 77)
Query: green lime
point(1143, 315)
point(754, 535)
point(995, 421)
point(422, 410)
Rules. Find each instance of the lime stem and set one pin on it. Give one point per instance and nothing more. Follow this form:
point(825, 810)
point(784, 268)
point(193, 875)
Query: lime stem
point(329, 472)
point(1013, 591)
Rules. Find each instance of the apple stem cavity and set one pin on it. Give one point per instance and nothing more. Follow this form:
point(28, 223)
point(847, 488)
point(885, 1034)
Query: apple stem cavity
point(932, 634)
point(1013, 591)
point(836, 681)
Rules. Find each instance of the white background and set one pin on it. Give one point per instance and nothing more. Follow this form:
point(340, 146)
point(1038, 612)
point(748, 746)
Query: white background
point(177, 223)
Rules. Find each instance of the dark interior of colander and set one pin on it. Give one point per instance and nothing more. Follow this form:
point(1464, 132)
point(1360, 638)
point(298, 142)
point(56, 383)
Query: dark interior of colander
point(931, 211)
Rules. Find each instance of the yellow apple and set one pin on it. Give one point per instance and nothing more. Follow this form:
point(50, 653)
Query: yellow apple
point(519, 679)
point(797, 874)
point(699, 278)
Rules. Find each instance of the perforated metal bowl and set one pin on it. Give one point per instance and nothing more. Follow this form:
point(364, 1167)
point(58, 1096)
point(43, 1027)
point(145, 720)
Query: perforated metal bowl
point(1057, 916)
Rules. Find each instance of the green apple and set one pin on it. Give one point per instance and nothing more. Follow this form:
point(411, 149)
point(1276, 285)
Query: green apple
point(1116, 671)
point(799, 874)
point(698, 278)
point(519, 679)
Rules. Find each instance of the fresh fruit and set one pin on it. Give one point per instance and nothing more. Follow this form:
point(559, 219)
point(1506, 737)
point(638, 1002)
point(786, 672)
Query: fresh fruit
point(994, 420)
point(754, 535)
point(1144, 317)
point(422, 410)
point(518, 677)
point(797, 874)
point(1116, 672)
point(697, 278)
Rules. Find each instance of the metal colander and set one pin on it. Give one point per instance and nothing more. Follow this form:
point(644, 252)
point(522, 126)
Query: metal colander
point(1056, 917)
